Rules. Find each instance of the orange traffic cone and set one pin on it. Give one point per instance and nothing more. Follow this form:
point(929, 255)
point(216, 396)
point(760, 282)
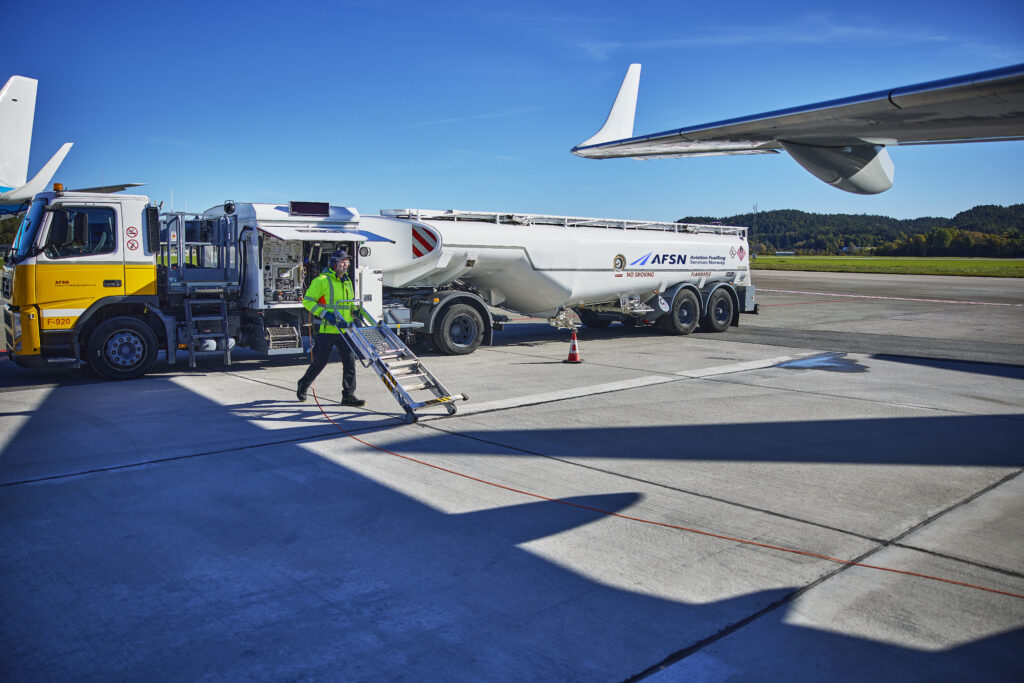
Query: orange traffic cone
point(574, 350)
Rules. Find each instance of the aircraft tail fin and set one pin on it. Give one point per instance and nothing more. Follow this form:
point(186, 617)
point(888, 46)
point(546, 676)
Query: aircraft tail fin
point(17, 110)
point(619, 124)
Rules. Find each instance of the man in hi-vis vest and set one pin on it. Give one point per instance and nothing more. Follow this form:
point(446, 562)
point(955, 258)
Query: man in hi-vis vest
point(331, 297)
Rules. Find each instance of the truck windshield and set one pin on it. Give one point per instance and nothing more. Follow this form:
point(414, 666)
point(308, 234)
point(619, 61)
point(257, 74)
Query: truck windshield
point(26, 234)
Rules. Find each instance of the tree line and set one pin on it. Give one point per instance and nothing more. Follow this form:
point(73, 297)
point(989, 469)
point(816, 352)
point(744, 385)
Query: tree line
point(987, 230)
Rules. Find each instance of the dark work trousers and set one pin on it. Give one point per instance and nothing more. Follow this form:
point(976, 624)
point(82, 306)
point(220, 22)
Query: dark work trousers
point(323, 342)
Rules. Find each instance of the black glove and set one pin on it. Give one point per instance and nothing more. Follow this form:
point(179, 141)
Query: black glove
point(341, 324)
point(331, 319)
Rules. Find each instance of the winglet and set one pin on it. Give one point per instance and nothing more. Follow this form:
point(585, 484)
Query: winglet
point(40, 180)
point(619, 124)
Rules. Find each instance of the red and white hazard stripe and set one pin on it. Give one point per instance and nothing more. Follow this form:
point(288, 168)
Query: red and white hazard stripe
point(423, 241)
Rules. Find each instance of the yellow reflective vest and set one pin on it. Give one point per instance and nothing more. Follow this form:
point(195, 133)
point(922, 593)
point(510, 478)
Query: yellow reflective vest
point(328, 294)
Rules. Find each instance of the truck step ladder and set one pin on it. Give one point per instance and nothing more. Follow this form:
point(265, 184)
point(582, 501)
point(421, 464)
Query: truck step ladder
point(207, 319)
point(378, 347)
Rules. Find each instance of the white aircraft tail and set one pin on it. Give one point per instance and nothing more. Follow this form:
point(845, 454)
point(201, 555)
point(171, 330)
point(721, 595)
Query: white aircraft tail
point(17, 110)
point(619, 124)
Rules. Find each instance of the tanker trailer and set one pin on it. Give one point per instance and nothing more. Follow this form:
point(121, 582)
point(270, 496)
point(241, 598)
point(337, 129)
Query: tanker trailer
point(444, 272)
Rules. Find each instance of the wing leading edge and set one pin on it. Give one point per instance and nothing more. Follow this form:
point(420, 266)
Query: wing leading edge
point(841, 142)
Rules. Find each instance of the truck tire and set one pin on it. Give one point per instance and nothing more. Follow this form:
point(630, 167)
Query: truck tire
point(593, 320)
point(122, 348)
point(683, 315)
point(718, 316)
point(459, 331)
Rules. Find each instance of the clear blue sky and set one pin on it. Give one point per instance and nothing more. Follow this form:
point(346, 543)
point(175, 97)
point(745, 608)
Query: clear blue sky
point(475, 105)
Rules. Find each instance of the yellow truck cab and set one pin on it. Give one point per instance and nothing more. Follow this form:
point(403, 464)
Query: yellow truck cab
point(105, 279)
point(78, 261)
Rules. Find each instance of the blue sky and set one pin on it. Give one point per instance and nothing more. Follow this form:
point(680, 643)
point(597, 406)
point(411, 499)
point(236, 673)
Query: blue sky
point(475, 105)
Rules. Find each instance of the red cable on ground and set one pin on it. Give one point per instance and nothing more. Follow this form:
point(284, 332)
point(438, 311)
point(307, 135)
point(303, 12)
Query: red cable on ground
point(666, 525)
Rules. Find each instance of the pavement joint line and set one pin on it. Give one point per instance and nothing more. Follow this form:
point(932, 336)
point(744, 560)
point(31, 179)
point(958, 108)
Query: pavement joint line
point(187, 456)
point(683, 653)
point(623, 385)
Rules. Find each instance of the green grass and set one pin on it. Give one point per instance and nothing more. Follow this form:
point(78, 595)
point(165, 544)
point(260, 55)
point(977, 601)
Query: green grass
point(984, 267)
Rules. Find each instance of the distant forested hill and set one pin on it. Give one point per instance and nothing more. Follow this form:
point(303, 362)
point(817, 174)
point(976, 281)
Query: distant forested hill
point(982, 231)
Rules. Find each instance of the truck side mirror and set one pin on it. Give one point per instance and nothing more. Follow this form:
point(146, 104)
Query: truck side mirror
point(80, 229)
point(58, 234)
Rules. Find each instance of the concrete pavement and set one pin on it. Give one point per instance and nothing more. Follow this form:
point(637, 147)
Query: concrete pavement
point(205, 525)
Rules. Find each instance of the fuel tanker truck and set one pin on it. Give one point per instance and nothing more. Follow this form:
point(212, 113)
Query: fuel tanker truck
point(110, 281)
point(447, 270)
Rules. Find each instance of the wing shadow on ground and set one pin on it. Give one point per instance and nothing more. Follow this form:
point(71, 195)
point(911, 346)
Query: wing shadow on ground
point(991, 369)
point(273, 562)
point(968, 440)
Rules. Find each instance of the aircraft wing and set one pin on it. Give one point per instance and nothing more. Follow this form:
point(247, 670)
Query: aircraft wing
point(840, 141)
point(104, 189)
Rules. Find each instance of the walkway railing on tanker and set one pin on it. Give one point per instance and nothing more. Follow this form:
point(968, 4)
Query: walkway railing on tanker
point(505, 218)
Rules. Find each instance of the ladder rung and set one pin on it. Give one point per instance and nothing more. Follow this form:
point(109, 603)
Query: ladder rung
point(207, 317)
point(398, 365)
point(201, 302)
point(417, 387)
point(211, 335)
point(208, 353)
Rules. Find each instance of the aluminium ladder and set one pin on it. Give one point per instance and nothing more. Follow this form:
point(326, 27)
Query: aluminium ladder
point(207, 319)
point(378, 347)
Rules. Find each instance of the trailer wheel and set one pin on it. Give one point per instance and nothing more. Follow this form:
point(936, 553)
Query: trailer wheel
point(683, 316)
point(719, 314)
point(459, 331)
point(122, 348)
point(592, 319)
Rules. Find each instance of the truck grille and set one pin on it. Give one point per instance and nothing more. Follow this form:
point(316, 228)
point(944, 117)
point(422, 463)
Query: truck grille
point(8, 329)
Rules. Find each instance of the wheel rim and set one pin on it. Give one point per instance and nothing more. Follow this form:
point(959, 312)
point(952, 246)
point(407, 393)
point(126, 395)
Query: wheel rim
point(124, 349)
point(462, 331)
point(685, 314)
point(721, 313)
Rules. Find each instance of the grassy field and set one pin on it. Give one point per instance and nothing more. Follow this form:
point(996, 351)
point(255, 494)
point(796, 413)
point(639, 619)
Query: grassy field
point(983, 267)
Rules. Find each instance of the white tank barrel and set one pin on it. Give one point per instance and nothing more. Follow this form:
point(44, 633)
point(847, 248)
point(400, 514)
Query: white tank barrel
point(539, 264)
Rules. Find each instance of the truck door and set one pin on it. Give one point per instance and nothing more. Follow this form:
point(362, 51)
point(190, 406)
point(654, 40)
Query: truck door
point(81, 262)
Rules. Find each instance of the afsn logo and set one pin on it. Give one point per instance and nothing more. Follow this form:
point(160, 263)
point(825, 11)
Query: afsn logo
point(660, 259)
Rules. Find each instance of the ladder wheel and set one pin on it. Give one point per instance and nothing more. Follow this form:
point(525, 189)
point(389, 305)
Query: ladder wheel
point(410, 417)
point(451, 409)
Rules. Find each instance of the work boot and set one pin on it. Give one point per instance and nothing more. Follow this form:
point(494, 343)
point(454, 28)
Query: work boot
point(300, 393)
point(352, 401)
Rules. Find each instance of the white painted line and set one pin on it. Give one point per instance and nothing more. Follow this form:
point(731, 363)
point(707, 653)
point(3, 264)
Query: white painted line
point(887, 298)
point(579, 392)
point(623, 385)
point(743, 367)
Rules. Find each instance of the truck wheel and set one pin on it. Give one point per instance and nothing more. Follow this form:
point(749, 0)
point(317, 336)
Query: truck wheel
point(459, 331)
point(718, 317)
point(122, 348)
point(684, 314)
point(592, 319)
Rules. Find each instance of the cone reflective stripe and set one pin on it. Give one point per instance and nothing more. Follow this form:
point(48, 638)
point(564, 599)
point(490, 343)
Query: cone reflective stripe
point(574, 350)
